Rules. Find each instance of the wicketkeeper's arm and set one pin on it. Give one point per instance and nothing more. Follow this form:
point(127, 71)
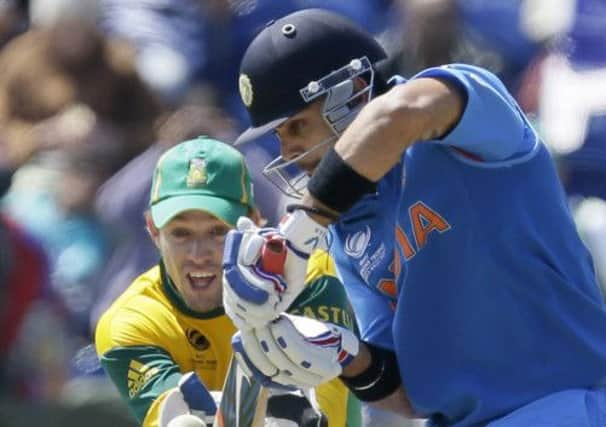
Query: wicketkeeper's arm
point(189, 404)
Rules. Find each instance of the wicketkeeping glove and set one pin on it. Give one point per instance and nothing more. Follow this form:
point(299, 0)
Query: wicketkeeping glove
point(189, 404)
point(295, 351)
point(259, 283)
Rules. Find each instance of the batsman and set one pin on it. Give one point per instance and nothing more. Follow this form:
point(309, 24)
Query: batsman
point(166, 341)
point(476, 300)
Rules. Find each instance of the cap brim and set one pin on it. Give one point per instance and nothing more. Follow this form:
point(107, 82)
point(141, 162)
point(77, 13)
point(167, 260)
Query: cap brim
point(256, 132)
point(226, 210)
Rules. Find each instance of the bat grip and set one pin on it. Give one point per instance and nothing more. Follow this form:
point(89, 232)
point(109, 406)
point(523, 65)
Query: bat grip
point(273, 255)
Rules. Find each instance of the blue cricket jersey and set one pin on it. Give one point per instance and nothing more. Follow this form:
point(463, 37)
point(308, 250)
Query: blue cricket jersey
point(467, 263)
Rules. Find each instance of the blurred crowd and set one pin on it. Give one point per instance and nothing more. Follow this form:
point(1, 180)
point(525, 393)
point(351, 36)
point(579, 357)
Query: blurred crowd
point(93, 91)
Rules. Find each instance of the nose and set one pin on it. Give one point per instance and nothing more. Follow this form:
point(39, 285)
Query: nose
point(200, 249)
point(288, 147)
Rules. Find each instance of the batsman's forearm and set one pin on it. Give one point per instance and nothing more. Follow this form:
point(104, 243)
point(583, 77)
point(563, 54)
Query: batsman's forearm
point(422, 109)
point(359, 364)
point(397, 401)
point(309, 200)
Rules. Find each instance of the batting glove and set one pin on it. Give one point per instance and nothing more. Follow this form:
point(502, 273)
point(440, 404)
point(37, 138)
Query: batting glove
point(258, 283)
point(295, 351)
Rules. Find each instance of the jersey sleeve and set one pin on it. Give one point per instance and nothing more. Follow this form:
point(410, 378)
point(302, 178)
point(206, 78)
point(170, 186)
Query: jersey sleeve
point(374, 315)
point(138, 364)
point(492, 126)
point(143, 375)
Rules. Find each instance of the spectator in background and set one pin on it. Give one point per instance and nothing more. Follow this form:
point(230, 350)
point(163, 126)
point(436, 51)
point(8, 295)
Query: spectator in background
point(482, 32)
point(59, 213)
point(13, 19)
point(185, 45)
point(576, 72)
point(23, 273)
point(55, 68)
point(31, 362)
point(571, 112)
point(6, 175)
point(72, 111)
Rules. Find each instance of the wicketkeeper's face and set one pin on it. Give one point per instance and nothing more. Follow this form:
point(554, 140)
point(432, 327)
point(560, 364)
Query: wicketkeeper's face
point(191, 246)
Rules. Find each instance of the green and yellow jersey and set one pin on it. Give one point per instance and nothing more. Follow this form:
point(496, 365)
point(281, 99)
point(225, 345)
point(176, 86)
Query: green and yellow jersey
point(148, 338)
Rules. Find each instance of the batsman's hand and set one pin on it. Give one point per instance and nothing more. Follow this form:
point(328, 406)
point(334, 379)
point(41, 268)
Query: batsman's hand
point(295, 351)
point(264, 268)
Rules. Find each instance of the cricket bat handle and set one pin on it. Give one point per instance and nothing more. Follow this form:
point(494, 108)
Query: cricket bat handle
point(273, 255)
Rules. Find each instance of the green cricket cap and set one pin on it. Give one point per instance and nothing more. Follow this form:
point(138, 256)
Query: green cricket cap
point(201, 174)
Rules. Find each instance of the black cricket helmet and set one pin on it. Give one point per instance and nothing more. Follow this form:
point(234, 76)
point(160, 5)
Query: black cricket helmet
point(298, 59)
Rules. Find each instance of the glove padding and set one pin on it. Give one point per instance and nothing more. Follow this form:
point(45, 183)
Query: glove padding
point(295, 351)
point(189, 401)
point(253, 296)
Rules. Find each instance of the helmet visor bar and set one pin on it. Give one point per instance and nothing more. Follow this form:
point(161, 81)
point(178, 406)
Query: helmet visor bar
point(287, 176)
point(317, 88)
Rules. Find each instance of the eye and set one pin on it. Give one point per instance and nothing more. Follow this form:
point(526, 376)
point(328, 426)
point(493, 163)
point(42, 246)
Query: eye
point(296, 127)
point(219, 231)
point(180, 233)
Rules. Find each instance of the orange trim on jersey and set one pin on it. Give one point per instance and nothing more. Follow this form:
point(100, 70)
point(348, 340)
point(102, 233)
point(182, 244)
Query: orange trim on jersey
point(388, 287)
point(467, 154)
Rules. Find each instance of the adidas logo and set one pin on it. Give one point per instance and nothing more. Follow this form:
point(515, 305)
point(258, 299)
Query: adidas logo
point(138, 375)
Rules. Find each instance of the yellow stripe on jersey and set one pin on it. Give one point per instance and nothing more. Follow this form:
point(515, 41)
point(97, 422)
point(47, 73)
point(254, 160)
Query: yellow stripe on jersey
point(138, 375)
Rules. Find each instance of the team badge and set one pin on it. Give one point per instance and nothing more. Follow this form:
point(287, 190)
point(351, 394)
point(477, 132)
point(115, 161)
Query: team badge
point(197, 340)
point(246, 89)
point(197, 175)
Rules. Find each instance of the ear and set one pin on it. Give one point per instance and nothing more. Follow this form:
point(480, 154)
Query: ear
point(152, 230)
point(359, 83)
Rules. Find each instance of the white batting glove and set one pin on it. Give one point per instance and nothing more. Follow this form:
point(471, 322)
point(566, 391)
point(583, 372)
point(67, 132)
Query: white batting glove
point(259, 284)
point(295, 351)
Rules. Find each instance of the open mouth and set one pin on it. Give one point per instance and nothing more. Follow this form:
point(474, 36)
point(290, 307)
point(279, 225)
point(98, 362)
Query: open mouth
point(201, 281)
